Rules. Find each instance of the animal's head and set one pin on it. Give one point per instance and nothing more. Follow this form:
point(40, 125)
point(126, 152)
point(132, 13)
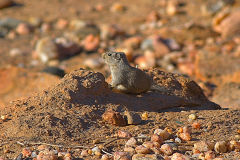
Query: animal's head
point(115, 58)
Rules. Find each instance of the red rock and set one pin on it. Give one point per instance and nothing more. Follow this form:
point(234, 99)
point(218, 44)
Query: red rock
point(179, 156)
point(26, 152)
point(91, 43)
point(196, 125)
point(131, 142)
point(114, 118)
point(124, 134)
point(160, 47)
point(156, 138)
point(209, 155)
point(166, 149)
point(121, 156)
point(117, 7)
point(133, 42)
point(203, 146)
point(23, 29)
point(185, 136)
point(142, 150)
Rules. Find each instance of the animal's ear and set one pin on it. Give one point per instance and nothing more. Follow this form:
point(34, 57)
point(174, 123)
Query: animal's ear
point(118, 56)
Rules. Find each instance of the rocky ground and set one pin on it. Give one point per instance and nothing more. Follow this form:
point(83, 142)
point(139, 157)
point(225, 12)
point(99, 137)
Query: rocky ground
point(192, 48)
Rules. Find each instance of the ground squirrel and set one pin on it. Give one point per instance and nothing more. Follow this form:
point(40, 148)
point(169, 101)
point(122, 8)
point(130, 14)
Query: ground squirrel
point(125, 78)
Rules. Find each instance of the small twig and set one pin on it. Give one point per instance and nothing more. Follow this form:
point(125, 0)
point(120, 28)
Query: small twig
point(22, 144)
point(107, 152)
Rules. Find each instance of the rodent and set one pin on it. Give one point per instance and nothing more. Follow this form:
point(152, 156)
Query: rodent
point(125, 78)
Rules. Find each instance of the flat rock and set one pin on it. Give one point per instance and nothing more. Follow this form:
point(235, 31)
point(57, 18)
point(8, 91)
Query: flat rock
point(227, 95)
point(215, 68)
point(70, 109)
point(18, 83)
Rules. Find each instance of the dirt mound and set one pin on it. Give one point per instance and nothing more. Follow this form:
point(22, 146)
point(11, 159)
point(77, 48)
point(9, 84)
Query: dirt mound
point(72, 109)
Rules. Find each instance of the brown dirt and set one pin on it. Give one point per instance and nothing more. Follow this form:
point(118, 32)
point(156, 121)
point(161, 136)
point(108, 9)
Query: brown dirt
point(69, 112)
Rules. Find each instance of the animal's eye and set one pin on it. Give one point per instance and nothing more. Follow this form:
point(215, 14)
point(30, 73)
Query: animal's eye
point(109, 54)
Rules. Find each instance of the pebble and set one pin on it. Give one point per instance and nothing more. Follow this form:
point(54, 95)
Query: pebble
point(160, 46)
point(209, 155)
point(133, 42)
point(124, 134)
point(171, 8)
point(105, 157)
point(117, 7)
point(144, 116)
point(178, 140)
point(156, 138)
point(145, 157)
point(129, 149)
point(43, 147)
point(91, 43)
point(46, 49)
point(45, 27)
point(132, 118)
point(185, 136)
point(163, 133)
point(121, 156)
point(196, 125)
point(23, 29)
point(203, 146)
point(149, 144)
point(132, 142)
point(192, 116)
point(95, 149)
point(26, 152)
point(179, 156)
point(61, 24)
point(143, 150)
point(5, 3)
point(166, 149)
point(35, 21)
point(221, 147)
point(84, 153)
point(67, 47)
point(49, 155)
point(114, 118)
point(15, 52)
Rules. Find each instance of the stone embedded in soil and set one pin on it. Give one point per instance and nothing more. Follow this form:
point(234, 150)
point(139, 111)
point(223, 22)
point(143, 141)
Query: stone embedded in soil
point(114, 118)
point(132, 117)
point(166, 149)
point(163, 133)
point(142, 150)
point(227, 95)
point(203, 146)
point(131, 142)
point(221, 147)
